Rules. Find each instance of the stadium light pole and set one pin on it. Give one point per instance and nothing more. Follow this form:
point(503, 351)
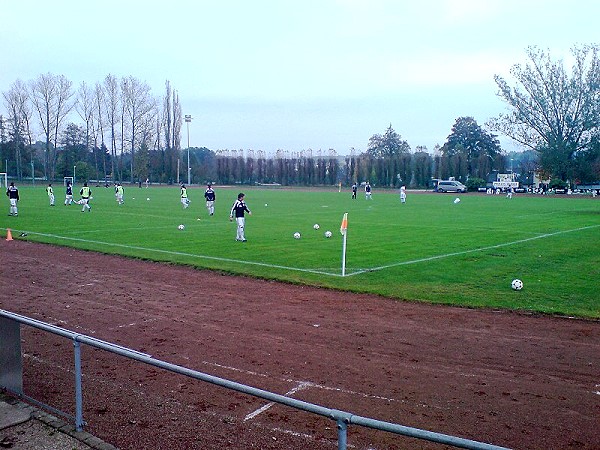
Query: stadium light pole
point(188, 119)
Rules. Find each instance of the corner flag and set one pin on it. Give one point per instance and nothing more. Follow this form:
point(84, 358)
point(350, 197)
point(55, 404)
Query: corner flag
point(344, 231)
point(344, 226)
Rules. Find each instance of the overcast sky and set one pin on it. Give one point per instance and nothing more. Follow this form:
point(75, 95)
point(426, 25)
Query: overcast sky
point(297, 75)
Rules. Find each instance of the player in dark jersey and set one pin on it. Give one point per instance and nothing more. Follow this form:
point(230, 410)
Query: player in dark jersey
point(13, 195)
point(69, 194)
point(237, 210)
point(210, 197)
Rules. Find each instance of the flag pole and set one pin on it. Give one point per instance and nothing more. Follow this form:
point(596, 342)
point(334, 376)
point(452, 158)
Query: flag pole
point(344, 256)
point(344, 231)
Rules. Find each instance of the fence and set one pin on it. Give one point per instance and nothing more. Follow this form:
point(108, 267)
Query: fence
point(11, 379)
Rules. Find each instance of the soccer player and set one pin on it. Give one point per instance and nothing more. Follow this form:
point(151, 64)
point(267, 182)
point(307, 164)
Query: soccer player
point(403, 194)
point(368, 191)
point(69, 194)
point(185, 201)
point(50, 193)
point(354, 189)
point(210, 196)
point(13, 195)
point(119, 191)
point(86, 195)
point(238, 209)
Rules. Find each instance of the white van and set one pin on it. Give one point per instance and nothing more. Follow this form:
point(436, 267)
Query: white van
point(450, 186)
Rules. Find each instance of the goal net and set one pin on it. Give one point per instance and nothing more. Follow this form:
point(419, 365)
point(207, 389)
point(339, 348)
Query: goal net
point(3, 180)
point(68, 180)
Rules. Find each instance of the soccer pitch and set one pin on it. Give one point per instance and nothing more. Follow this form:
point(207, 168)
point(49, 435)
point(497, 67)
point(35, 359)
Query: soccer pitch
point(430, 249)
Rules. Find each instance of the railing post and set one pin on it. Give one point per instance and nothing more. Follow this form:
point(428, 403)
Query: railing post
point(11, 368)
point(342, 427)
point(78, 389)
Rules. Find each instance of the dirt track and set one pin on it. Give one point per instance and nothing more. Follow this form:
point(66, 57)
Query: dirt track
point(521, 381)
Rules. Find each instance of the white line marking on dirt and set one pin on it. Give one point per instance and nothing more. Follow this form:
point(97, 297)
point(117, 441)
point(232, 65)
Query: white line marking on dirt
point(304, 383)
point(262, 409)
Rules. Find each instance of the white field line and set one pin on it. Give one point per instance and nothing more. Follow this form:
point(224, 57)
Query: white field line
point(321, 272)
point(474, 250)
point(170, 252)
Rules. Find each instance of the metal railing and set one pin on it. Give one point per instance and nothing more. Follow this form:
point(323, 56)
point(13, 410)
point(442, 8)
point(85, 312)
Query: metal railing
point(343, 419)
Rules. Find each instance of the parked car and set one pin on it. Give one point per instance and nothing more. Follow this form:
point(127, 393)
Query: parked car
point(451, 186)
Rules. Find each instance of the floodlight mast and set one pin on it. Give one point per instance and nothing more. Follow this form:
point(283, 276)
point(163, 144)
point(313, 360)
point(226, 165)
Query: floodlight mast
point(188, 119)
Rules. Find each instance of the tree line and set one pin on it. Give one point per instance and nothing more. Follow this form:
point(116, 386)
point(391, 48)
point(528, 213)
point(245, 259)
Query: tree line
point(121, 122)
point(127, 133)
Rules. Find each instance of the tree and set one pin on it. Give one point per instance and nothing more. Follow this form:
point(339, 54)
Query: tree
point(85, 106)
point(552, 112)
point(51, 96)
point(17, 103)
point(474, 145)
point(588, 167)
point(111, 103)
point(73, 139)
point(390, 144)
point(172, 120)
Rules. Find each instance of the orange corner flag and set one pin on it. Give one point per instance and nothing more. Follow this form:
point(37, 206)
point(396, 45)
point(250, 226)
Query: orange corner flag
point(8, 235)
point(344, 226)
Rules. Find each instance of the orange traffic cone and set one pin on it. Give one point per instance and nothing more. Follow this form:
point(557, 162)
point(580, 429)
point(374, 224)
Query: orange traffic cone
point(8, 235)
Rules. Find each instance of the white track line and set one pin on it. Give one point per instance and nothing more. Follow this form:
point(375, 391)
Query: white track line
point(262, 409)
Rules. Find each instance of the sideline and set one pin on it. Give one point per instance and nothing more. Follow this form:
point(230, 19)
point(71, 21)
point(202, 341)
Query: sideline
point(464, 252)
point(315, 271)
point(170, 252)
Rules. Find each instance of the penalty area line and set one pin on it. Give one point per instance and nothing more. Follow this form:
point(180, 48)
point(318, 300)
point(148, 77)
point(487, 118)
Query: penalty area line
point(474, 250)
point(191, 255)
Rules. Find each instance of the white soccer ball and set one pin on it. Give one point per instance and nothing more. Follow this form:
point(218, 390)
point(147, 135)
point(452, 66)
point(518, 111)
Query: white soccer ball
point(266, 204)
point(457, 200)
point(316, 226)
point(181, 227)
point(328, 234)
point(148, 198)
point(516, 284)
point(297, 235)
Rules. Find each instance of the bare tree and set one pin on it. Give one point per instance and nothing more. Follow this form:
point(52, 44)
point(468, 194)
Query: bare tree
point(86, 108)
point(172, 116)
point(99, 105)
point(138, 110)
point(177, 122)
point(111, 98)
point(51, 96)
point(168, 131)
point(18, 105)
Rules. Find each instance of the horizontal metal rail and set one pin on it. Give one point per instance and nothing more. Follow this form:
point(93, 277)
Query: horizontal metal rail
point(342, 418)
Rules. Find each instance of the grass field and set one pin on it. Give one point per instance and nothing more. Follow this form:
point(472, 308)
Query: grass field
point(429, 249)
